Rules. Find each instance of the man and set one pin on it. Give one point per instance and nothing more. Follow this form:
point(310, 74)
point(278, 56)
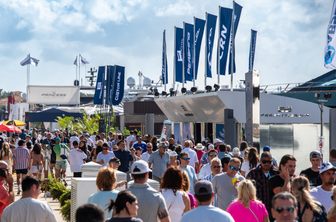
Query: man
point(105, 155)
point(281, 182)
point(312, 173)
point(268, 149)
point(131, 139)
point(284, 207)
point(21, 157)
point(225, 163)
point(124, 156)
point(76, 159)
point(29, 208)
point(191, 153)
point(114, 163)
point(159, 161)
point(141, 144)
point(216, 168)
point(323, 192)
point(145, 156)
point(89, 213)
point(224, 184)
point(205, 212)
point(152, 206)
point(206, 168)
point(190, 171)
point(261, 175)
point(73, 137)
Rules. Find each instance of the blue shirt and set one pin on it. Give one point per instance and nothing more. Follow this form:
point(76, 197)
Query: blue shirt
point(103, 199)
point(125, 158)
point(143, 146)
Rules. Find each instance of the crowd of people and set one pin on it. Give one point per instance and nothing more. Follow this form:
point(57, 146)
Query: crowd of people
point(197, 182)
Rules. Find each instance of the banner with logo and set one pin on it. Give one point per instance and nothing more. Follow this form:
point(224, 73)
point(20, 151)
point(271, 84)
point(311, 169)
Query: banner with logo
point(178, 56)
point(329, 55)
point(253, 44)
point(211, 21)
point(98, 98)
point(199, 25)
point(118, 85)
point(236, 17)
point(164, 74)
point(188, 46)
point(54, 95)
point(225, 18)
point(109, 84)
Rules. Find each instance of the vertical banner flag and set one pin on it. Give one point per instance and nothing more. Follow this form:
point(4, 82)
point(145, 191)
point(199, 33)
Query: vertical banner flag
point(236, 17)
point(329, 56)
point(199, 30)
point(225, 18)
point(118, 85)
point(178, 57)
point(29, 60)
point(109, 84)
point(188, 45)
point(100, 83)
point(211, 21)
point(253, 44)
point(164, 60)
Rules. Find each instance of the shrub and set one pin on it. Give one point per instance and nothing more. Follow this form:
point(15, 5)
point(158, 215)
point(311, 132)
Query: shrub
point(65, 210)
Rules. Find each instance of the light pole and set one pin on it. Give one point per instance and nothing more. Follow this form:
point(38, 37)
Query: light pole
point(322, 98)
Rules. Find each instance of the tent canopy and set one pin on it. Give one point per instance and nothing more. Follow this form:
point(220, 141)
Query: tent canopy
point(50, 115)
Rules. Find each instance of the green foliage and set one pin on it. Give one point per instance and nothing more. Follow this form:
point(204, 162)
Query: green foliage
point(126, 132)
point(56, 189)
point(66, 210)
point(88, 123)
point(66, 122)
point(64, 197)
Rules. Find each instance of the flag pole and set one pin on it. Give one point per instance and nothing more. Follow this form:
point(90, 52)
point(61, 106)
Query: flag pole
point(232, 37)
point(193, 58)
point(218, 50)
point(183, 70)
point(28, 79)
point(206, 56)
point(79, 74)
point(174, 77)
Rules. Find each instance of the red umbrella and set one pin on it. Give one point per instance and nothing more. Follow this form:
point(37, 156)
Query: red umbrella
point(9, 129)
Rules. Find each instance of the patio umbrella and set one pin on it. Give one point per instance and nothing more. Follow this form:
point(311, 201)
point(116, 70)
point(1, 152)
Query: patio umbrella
point(14, 122)
point(9, 129)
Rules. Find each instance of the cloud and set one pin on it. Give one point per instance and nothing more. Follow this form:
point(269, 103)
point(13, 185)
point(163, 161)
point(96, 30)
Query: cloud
point(178, 8)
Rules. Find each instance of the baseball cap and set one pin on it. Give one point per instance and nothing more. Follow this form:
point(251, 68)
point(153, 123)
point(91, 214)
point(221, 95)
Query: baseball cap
point(203, 187)
point(326, 166)
point(315, 154)
point(266, 148)
point(172, 153)
point(140, 167)
point(57, 139)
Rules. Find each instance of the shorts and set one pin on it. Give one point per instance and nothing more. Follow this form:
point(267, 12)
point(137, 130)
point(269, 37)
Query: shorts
point(36, 169)
point(21, 171)
point(60, 165)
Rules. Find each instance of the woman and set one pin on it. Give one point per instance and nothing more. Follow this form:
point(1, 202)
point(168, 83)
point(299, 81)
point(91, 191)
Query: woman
point(246, 207)
point(82, 146)
point(36, 161)
point(186, 187)
point(251, 162)
point(7, 155)
point(177, 200)
point(308, 209)
point(125, 208)
point(332, 212)
point(106, 183)
point(154, 143)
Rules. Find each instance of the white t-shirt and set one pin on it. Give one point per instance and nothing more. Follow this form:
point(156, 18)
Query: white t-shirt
point(245, 167)
point(322, 196)
point(205, 171)
point(207, 214)
point(105, 157)
point(192, 154)
point(28, 210)
point(76, 158)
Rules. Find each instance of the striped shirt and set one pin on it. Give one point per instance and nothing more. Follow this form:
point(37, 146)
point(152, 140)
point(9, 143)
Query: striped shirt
point(21, 158)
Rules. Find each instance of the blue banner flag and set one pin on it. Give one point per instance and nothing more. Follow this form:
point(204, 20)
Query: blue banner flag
point(199, 30)
point(225, 18)
point(118, 85)
point(29, 60)
point(236, 17)
point(164, 74)
point(211, 21)
point(178, 56)
point(100, 83)
point(109, 84)
point(253, 45)
point(330, 49)
point(188, 61)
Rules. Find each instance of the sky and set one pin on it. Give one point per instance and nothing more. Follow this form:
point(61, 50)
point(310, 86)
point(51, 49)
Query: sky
point(290, 43)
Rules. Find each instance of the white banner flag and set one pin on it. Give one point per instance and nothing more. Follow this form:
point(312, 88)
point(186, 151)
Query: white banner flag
point(330, 49)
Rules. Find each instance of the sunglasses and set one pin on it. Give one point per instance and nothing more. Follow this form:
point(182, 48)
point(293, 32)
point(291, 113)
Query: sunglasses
point(216, 167)
point(234, 168)
point(266, 161)
point(212, 155)
point(282, 209)
point(185, 158)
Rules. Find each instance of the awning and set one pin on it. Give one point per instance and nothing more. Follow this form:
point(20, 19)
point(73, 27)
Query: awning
point(50, 115)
